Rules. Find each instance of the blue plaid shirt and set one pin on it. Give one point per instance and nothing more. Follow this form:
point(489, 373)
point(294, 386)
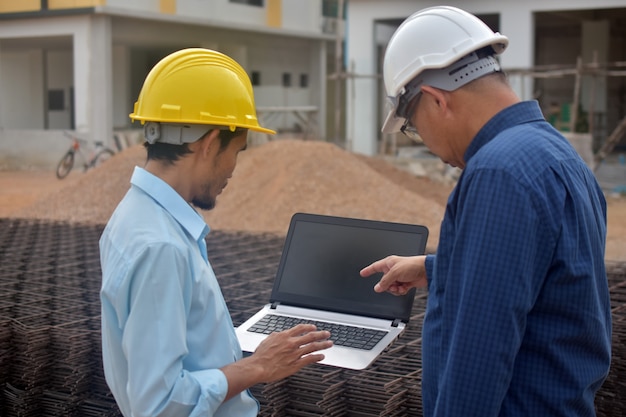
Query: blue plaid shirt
point(518, 320)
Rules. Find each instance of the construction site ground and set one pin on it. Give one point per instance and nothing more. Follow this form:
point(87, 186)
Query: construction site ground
point(20, 189)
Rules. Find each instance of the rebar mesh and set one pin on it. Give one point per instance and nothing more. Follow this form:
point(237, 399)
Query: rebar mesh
point(50, 352)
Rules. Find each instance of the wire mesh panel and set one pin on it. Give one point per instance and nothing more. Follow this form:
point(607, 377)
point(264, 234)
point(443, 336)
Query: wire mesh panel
point(50, 351)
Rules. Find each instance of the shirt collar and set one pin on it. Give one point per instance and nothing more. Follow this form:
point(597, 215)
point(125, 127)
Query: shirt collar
point(519, 113)
point(171, 201)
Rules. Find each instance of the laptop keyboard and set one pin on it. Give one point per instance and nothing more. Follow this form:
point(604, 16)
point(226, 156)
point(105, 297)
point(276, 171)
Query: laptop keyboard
point(341, 335)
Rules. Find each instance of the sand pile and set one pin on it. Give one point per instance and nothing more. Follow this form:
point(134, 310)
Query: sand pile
point(92, 197)
point(270, 183)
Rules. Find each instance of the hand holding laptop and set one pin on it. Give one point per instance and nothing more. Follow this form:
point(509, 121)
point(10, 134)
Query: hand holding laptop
point(400, 273)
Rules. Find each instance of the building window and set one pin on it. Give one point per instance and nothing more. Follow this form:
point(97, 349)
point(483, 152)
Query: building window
point(304, 80)
point(330, 8)
point(249, 2)
point(286, 79)
point(56, 100)
point(255, 78)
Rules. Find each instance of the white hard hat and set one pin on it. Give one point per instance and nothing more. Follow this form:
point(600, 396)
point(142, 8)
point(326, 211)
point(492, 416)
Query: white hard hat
point(433, 39)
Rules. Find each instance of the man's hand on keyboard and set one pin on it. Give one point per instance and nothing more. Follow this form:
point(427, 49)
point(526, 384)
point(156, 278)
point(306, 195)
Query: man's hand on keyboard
point(280, 355)
point(284, 353)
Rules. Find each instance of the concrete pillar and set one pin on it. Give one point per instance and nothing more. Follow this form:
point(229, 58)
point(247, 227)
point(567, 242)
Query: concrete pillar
point(516, 22)
point(93, 80)
point(362, 129)
point(318, 85)
point(595, 47)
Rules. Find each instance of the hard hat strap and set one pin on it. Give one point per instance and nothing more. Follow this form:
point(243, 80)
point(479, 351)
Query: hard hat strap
point(175, 134)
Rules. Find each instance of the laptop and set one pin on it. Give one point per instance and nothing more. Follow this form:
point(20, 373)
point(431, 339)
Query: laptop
point(318, 281)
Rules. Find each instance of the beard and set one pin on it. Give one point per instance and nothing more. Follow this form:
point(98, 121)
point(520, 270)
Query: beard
point(205, 201)
point(204, 204)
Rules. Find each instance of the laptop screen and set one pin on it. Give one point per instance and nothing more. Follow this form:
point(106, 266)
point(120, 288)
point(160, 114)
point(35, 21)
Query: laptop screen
point(323, 256)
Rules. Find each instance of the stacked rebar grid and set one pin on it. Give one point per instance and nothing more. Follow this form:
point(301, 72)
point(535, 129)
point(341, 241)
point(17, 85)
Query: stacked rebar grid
point(50, 353)
point(50, 360)
point(611, 399)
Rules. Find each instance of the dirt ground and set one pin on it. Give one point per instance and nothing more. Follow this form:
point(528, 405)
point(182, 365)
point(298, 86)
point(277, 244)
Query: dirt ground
point(19, 189)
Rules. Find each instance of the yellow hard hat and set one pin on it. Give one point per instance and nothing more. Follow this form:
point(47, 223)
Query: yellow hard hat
point(198, 86)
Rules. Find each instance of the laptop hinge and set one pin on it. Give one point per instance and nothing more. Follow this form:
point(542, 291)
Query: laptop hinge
point(396, 323)
point(274, 305)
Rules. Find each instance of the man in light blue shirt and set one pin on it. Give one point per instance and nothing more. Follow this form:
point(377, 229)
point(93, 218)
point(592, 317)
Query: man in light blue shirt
point(169, 345)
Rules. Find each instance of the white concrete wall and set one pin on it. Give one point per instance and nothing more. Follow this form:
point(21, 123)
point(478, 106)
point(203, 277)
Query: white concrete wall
point(22, 105)
point(302, 15)
point(297, 15)
point(516, 22)
point(31, 148)
point(21, 80)
point(197, 8)
point(141, 5)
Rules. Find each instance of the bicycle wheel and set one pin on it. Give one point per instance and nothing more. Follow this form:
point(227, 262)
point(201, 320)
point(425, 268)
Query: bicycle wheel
point(101, 156)
point(65, 164)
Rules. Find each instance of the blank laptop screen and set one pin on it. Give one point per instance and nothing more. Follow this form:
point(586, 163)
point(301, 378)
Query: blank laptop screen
point(321, 261)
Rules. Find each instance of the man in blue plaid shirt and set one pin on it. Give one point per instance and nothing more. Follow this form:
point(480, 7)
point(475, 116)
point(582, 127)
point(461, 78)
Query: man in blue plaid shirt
point(518, 320)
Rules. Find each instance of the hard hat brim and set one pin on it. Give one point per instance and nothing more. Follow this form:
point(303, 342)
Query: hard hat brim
point(260, 130)
point(392, 123)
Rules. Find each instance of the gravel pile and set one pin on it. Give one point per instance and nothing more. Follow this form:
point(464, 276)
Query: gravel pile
point(271, 182)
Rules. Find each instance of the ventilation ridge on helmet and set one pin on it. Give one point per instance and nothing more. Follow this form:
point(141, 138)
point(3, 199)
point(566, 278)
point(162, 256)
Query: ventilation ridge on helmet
point(456, 75)
point(474, 70)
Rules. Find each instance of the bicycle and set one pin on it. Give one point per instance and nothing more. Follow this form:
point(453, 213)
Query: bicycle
point(99, 153)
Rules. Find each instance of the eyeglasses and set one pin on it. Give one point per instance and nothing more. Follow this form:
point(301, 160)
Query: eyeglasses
point(408, 129)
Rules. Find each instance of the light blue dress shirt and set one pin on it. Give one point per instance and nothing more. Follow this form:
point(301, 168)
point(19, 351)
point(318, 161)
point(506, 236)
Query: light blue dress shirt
point(166, 329)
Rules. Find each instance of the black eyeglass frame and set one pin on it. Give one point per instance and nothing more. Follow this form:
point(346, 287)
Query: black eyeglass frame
point(408, 129)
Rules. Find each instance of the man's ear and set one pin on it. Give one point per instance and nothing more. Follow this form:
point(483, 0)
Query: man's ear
point(209, 142)
point(440, 97)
